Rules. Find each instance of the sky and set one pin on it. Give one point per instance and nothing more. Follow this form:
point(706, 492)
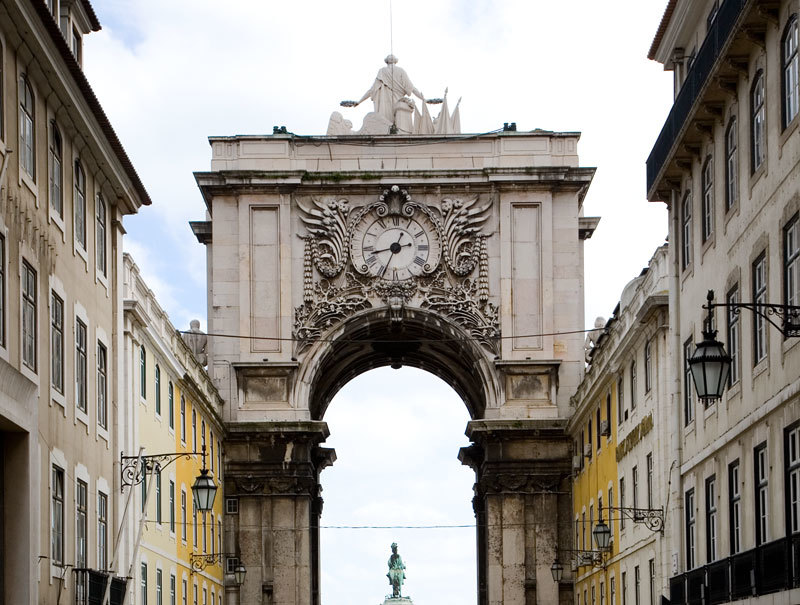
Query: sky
point(171, 74)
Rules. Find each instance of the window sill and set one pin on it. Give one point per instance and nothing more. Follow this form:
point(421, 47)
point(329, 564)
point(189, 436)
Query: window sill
point(756, 176)
point(58, 221)
point(103, 434)
point(59, 399)
point(790, 129)
point(734, 392)
point(760, 368)
point(82, 417)
point(102, 280)
point(81, 252)
point(30, 184)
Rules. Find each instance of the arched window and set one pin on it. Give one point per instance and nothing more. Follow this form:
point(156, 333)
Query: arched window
point(80, 205)
point(142, 372)
point(56, 172)
point(708, 198)
point(757, 122)
point(791, 85)
point(158, 390)
point(27, 150)
point(731, 165)
point(686, 230)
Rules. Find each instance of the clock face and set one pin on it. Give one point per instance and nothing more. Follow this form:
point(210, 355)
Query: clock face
point(395, 247)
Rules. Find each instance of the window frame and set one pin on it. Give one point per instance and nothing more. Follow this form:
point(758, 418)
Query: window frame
point(712, 534)
point(79, 206)
point(81, 366)
point(27, 127)
point(102, 530)
point(791, 261)
point(57, 501)
point(759, 277)
point(101, 218)
point(731, 164)
point(102, 385)
point(157, 394)
point(690, 525)
point(142, 373)
point(792, 477)
point(81, 524)
point(734, 508)
point(171, 404)
point(633, 384)
point(30, 316)
point(620, 399)
point(757, 123)
point(688, 385)
point(790, 91)
point(648, 366)
point(707, 199)
point(686, 230)
point(733, 330)
point(761, 492)
point(55, 187)
point(57, 368)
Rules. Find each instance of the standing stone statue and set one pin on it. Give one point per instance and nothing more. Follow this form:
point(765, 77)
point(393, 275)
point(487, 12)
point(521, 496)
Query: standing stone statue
point(396, 573)
point(197, 341)
point(391, 84)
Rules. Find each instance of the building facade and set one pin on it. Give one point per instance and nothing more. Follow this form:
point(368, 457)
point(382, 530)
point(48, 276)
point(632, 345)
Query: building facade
point(620, 475)
point(726, 163)
point(65, 186)
point(174, 410)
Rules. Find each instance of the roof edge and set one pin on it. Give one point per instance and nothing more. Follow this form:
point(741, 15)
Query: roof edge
point(662, 27)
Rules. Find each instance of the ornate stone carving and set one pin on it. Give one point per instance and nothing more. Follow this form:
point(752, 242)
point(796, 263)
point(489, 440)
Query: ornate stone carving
point(458, 224)
point(517, 483)
point(277, 486)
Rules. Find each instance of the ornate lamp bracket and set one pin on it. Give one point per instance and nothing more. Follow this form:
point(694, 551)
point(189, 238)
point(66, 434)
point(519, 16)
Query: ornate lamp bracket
point(788, 315)
point(200, 561)
point(132, 474)
point(584, 558)
point(653, 518)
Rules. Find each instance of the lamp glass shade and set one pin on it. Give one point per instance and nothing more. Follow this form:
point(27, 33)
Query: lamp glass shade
point(204, 491)
point(710, 366)
point(239, 574)
point(602, 535)
point(557, 569)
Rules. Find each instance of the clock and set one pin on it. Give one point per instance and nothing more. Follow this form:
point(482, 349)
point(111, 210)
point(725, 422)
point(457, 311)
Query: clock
point(395, 247)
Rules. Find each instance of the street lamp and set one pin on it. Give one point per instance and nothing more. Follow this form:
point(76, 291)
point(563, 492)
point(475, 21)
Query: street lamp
point(557, 569)
point(204, 490)
point(710, 364)
point(239, 573)
point(602, 535)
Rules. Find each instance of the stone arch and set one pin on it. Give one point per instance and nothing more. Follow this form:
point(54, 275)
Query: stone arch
point(423, 340)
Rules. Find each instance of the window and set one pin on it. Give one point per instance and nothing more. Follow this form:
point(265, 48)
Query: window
point(602, 593)
point(185, 591)
point(612, 585)
point(144, 492)
point(608, 414)
point(791, 262)
point(27, 125)
point(100, 235)
point(2, 282)
point(231, 506)
point(711, 519)
point(213, 534)
point(219, 460)
point(202, 434)
point(80, 205)
point(648, 366)
point(172, 589)
point(735, 508)
point(584, 544)
point(759, 296)
point(142, 373)
point(159, 600)
point(76, 51)
point(791, 84)
point(57, 517)
point(56, 178)
point(622, 501)
point(624, 586)
point(633, 385)
point(599, 429)
point(761, 472)
point(589, 435)
point(158, 497)
point(183, 515)
point(792, 457)
point(707, 210)
point(637, 580)
point(171, 398)
point(194, 523)
point(219, 535)
point(205, 535)
point(757, 123)
point(611, 511)
point(652, 567)
point(80, 365)
point(686, 230)
point(102, 385)
point(102, 531)
point(194, 430)
point(81, 529)
point(158, 390)
point(183, 420)
point(690, 526)
point(28, 316)
point(688, 393)
point(144, 583)
point(635, 486)
point(211, 445)
point(171, 506)
point(650, 480)
point(620, 400)
point(733, 334)
point(731, 165)
point(593, 595)
point(57, 342)
point(231, 563)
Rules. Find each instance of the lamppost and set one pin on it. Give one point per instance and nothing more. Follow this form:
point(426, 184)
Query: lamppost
point(710, 364)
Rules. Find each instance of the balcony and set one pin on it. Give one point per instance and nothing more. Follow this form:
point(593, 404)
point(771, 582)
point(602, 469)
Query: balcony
point(90, 587)
point(768, 568)
point(713, 48)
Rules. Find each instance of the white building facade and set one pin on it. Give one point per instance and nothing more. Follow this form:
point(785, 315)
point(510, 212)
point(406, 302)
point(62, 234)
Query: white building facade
point(726, 163)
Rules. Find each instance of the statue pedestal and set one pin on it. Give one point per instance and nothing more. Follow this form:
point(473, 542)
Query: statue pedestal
point(398, 601)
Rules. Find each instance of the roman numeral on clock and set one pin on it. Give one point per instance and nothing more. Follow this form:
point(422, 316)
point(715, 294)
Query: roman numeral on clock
point(372, 259)
point(396, 221)
point(419, 260)
point(422, 247)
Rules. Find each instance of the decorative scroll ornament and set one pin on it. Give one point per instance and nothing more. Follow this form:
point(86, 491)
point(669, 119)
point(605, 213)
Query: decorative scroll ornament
point(327, 224)
point(461, 223)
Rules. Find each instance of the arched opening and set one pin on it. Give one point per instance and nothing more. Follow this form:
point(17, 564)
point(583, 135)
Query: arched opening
point(397, 436)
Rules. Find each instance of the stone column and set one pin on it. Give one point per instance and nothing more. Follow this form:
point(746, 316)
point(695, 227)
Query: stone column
point(522, 507)
point(273, 469)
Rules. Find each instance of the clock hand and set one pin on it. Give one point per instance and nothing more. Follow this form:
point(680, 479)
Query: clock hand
point(390, 248)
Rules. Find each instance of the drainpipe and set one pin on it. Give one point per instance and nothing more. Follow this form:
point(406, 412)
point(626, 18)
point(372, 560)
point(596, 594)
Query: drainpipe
point(675, 454)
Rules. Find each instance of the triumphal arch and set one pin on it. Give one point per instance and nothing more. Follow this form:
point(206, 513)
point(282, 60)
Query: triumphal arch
point(405, 246)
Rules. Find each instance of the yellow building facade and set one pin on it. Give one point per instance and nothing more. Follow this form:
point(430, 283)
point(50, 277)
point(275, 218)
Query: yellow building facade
point(177, 411)
point(621, 409)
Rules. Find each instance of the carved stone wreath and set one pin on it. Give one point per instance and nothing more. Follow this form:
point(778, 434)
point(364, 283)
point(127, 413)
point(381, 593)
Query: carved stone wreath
point(340, 293)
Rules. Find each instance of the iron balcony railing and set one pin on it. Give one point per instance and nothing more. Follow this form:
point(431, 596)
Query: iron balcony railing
point(770, 567)
point(721, 30)
point(90, 587)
